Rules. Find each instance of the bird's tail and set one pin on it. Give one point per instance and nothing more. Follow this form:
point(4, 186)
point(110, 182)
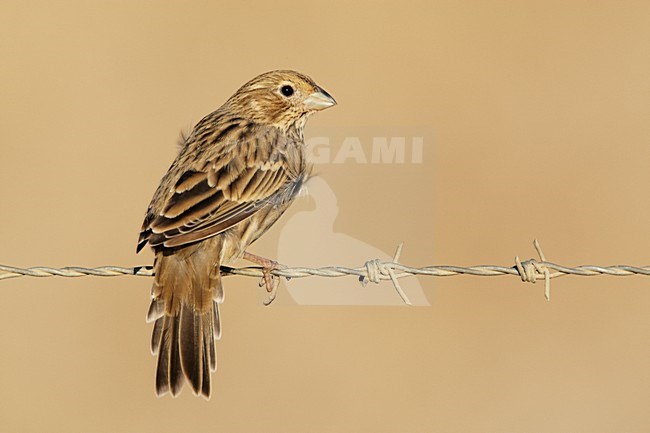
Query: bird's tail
point(185, 307)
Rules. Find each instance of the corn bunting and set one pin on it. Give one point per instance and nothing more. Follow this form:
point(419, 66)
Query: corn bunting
point(236, 173)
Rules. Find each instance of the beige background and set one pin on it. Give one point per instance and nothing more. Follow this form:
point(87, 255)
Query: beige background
point(540, 117)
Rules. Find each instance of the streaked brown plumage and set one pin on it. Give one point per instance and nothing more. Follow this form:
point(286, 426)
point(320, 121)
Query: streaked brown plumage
point(236, 173)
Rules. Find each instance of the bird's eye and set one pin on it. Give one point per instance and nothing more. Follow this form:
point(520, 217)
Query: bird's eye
point(287, 91)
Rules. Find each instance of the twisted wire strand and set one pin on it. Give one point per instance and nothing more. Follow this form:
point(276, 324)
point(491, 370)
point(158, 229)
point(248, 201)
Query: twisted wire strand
point(372, 271)
point(7, 272)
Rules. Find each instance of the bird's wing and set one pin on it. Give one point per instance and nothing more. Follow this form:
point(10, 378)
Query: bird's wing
point(212, 196)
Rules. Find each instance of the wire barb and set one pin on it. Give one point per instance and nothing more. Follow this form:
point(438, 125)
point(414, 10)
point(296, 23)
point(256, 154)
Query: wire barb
point(530, 269)
point(377, 270)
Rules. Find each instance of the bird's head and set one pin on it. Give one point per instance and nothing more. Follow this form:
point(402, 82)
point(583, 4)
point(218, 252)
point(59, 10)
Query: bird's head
point(280, 98)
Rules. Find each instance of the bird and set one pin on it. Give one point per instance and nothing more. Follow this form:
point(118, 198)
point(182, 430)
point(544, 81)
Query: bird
point(236, 172)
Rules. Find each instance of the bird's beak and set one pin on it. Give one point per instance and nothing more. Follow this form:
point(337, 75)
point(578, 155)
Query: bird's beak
point(319, 100)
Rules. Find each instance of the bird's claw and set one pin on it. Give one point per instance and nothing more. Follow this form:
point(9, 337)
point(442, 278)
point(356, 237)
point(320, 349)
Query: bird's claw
point(272, 285)
point(268, 280)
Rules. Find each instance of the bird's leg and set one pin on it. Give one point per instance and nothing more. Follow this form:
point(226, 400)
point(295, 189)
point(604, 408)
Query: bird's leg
point(267, 266)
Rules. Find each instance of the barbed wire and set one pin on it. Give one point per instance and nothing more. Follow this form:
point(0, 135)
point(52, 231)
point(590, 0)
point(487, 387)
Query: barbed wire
point(373, 271)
